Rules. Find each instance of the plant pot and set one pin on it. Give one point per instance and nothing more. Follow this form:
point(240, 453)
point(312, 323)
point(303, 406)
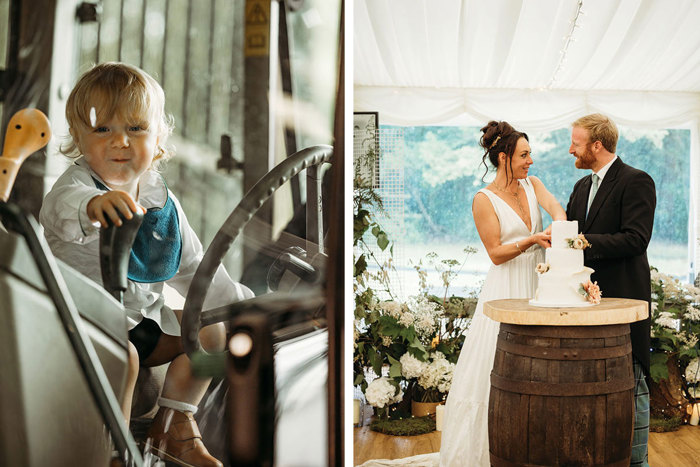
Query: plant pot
point(421, 409)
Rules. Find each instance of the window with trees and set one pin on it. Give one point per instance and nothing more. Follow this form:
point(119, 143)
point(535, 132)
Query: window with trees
point(443, 171)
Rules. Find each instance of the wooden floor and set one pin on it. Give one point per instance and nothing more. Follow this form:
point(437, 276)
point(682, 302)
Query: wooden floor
point(675, 449)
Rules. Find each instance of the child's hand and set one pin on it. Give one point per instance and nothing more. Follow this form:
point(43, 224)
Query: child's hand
point(109, 204)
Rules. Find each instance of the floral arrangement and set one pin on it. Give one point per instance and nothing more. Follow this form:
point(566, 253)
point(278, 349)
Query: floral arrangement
point(433, 377)
point(578, 243)
point(541, 268)
point(675, 332)
point(402, 347)
point(591, 291)
point(383, 392)
point(411, 344)
point(414, 343)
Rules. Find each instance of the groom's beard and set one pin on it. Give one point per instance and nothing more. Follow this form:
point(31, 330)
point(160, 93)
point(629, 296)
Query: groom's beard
point(586, 160)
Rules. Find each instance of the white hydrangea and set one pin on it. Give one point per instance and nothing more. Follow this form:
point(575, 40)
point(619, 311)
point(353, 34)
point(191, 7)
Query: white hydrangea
point(386, 341)
point(671, 285)
point(692, 371)
point(692, 313)
point(390, 308)
point(437, 374)
point(425, 315)
point(667, 320)
point(688, 340)
point(411, 367)
point(406, 320)
point(381, 392)
point(656, 276)
point(425, 324)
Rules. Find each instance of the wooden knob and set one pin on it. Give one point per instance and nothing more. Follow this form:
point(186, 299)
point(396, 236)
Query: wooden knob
point(28, 131)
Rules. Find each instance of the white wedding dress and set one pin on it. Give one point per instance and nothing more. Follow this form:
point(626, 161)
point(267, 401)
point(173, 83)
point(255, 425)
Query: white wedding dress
point(465, 440)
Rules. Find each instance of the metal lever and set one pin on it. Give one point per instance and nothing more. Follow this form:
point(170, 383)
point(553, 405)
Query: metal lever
point(293, 259)
point(227, 162)
point(115, 249)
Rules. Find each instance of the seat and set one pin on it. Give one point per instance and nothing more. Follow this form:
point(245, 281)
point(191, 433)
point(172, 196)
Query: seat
point(44, 394)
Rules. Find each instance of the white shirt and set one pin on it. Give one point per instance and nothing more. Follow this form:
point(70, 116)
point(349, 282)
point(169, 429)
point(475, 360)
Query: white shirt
point(601, 173)
point(74, 239)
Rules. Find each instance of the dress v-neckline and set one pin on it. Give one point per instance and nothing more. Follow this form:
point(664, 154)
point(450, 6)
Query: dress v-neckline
point(529, 209)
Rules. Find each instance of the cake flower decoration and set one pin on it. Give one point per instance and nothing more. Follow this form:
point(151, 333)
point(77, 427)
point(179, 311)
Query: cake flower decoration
point(578, 243)
point(541, 268)
point(591, 290)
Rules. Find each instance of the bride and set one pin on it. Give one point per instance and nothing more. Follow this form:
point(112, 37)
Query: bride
point(509, 223)
point(508, 219)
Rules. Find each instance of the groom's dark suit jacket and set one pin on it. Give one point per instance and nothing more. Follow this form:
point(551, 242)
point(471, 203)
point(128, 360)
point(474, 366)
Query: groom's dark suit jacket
point(618, 227)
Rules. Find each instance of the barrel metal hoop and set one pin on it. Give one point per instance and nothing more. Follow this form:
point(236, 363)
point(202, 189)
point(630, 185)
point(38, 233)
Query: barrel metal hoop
point(568, 332)
point(498, 462)
point(537, 388)
point(558, 353)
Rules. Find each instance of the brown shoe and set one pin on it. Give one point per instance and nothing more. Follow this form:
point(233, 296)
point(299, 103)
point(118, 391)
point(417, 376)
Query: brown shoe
point(174, 437)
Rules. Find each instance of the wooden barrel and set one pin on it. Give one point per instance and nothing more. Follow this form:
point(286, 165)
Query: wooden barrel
point(562, 396)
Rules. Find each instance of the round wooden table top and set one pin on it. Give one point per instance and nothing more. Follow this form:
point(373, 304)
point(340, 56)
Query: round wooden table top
point(610, 311)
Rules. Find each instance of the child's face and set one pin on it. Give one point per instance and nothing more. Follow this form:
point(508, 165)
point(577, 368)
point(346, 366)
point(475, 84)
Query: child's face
point(117, 151)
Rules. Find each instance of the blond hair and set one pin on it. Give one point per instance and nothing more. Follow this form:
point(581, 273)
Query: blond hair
point(114, 88)
point(600, 128)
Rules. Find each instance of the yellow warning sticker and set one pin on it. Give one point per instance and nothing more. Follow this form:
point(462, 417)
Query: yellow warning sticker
point(257, 28)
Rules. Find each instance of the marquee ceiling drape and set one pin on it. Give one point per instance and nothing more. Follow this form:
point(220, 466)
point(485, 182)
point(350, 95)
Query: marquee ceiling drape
point(536, 63)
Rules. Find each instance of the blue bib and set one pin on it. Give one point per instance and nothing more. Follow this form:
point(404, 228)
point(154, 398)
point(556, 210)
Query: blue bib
point(157, 249)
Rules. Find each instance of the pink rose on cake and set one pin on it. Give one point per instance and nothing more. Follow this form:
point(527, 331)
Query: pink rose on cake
point(591, 290)
point(541, 268)
point(578, 243)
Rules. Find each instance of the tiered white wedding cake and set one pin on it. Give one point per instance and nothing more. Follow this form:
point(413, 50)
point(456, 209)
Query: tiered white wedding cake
point(563, 279)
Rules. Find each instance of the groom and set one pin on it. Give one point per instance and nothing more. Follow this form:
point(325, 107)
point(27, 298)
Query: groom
point(614, 207)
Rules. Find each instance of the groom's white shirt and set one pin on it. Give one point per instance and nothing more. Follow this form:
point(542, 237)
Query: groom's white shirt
point(601, 174)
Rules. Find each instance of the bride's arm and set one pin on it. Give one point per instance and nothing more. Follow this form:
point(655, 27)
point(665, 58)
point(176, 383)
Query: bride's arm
point(547, 200)
point(489, 229)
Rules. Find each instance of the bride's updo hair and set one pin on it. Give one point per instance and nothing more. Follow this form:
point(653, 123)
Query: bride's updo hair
point(499, 137)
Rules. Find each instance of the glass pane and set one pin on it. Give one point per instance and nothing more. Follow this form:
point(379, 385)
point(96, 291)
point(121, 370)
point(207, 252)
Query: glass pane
point(442, 170)
point(313, 42)
point(4, 26)
point(195, 50)
point(4, 38)
point(132, 34)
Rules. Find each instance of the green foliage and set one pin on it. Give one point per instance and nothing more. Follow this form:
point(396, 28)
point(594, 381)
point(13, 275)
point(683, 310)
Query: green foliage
point(675, 326)
point(385, 329)
point(662, 425)
point(659, 369)
point(403, 427)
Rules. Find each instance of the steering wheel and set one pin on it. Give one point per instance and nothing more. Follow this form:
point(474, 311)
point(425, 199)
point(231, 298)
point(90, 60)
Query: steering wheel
point(310, 158)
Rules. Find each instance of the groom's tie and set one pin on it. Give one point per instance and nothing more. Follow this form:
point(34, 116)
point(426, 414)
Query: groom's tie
point(595, 179)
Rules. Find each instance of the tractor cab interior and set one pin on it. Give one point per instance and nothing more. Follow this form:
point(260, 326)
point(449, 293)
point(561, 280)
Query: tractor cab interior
point(253, 87)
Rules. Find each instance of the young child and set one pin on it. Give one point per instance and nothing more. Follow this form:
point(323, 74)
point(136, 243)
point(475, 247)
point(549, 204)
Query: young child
point(118, 127)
